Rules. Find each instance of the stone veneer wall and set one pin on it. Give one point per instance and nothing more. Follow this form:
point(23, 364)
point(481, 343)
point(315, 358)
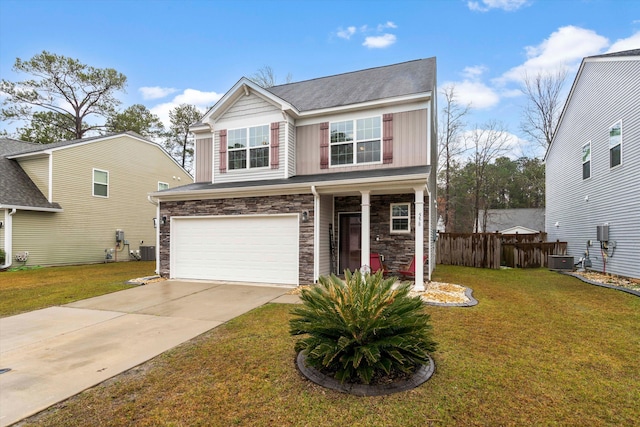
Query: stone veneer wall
point(244, 206)
point(397, 249)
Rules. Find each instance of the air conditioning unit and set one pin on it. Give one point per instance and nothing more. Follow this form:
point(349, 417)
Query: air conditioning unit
point(148, 253)
point(560, 262)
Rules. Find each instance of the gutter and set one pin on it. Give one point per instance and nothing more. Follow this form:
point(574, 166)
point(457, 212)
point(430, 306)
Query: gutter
point(316, 233)
point(8, 238)
point(156, 202)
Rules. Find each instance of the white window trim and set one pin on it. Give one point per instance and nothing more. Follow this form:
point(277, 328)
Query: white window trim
point(618, 144)
point(355, 142)
point(583, 161)
point(408, 217)
point(163, 183)
point(247, 148)
point(93, 183)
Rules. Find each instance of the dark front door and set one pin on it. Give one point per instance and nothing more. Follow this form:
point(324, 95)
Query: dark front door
point(350, 238)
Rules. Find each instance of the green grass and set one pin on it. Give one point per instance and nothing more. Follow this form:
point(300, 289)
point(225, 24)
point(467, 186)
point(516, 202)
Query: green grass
point(31, 289)
point(539, 349)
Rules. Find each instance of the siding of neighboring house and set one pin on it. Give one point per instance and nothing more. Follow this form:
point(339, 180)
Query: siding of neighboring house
point(204, 159)
point(38, 171)
point(605, 92)
point(251, 174)
point(409, 145)
point(87, 226)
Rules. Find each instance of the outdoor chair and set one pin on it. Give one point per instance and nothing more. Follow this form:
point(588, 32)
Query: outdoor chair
point(375, 262)
point(410, 270)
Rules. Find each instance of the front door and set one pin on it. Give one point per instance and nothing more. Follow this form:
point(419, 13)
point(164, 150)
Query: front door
point(350, 239)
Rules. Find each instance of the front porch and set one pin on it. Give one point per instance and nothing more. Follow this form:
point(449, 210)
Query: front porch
point(350, 226)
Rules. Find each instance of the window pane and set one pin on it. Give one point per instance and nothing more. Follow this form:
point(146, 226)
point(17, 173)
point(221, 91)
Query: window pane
point(400, 210)
point(162, 186)
point(369, 151)
point(400, 224)
point(341, 131)
point(259, 136)
point(615, 134)
point(586, 170)
point(614, 156)
point(101, 177)
point(236, 138)
point(368, 128)
point(99, 190)
point(237, 159)
point(342, 154)
point(586, 153)
point(259, 157)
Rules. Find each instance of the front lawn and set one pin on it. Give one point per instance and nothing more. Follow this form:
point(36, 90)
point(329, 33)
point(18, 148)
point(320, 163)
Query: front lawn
point(540, 348)
point(28, 290)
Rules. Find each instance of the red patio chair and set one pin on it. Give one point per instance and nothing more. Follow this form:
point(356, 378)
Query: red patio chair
point(410, 271)
point(375, 262)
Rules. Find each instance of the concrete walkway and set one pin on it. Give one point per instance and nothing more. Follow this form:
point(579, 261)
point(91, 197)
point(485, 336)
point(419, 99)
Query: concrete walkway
point(57, 352)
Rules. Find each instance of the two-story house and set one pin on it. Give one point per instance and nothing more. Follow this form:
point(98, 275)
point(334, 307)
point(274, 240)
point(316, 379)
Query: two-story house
point(307, 179)
point(62, 203)
point(593, 165)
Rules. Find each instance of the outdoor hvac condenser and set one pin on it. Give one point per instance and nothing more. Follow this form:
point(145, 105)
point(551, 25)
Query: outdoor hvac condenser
point(560, 262)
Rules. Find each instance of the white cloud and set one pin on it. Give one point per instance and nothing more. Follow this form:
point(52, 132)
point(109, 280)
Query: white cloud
point(629, 43)
point(379, 42)
point(564, 48)
point(388, 24)
point(346, 34)
point(475, 93)
point(472, 91)
point(202, 100)
point(156, 92)
point(486, 5)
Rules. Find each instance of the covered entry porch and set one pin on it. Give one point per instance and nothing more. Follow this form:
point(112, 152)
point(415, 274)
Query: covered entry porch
point(390, 218)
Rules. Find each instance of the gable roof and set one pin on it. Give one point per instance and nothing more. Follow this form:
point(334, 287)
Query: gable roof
point(633, 55)
point(408, 79)
point(391, 81)
point(16, 188)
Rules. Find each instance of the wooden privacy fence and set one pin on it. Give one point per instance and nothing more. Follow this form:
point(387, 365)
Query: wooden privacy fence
point(469, 249)
point(491, 250)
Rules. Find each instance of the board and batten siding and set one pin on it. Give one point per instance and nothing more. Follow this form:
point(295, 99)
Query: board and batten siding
point(204, 159)
point(87, 226)
point(38, 171)
point(250, 174)
point(410, 145)
point(606, 92)
point(326, 218)
point(291, 142)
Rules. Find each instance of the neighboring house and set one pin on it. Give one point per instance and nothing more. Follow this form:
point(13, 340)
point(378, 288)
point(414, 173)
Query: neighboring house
point(512, 221)
point(63, 202)
point(593, 165)
point(280, 170)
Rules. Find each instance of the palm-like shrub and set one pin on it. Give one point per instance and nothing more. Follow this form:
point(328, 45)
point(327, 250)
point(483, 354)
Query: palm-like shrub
point(362, 327)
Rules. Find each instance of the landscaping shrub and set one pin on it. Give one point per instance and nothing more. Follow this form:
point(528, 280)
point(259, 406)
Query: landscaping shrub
point(362, 327)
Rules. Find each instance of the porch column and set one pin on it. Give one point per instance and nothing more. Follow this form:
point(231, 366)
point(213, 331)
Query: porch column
point(419, 239)
point(365, 245)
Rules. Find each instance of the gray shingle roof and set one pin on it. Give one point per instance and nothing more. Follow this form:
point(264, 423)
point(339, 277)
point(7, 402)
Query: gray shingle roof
point(632, 52)
point(16, 188)
point(407, 78)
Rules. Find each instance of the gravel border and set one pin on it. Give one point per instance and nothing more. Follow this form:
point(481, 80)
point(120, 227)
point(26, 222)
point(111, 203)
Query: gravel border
point(423, 373)
point(604, 285)
point(467, 292)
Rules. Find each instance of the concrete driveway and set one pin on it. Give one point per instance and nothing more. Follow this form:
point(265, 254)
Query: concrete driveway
point(57, 352)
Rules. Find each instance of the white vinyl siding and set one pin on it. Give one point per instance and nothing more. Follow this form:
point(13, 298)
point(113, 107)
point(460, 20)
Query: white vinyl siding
point(606, 92)
point(248, 248)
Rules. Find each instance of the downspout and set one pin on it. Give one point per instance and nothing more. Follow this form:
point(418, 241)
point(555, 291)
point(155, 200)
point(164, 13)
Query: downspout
point(154, 201)
point(316, 233)
point(8, 238)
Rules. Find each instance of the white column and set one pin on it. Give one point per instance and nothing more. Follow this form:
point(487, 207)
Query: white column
point(419, 239)
point(365, 246)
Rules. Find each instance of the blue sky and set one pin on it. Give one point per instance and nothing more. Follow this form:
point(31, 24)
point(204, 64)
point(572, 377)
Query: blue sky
point(194, 51)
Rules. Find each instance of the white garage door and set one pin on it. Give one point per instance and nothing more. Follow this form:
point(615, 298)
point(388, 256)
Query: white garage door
point(261, 249)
